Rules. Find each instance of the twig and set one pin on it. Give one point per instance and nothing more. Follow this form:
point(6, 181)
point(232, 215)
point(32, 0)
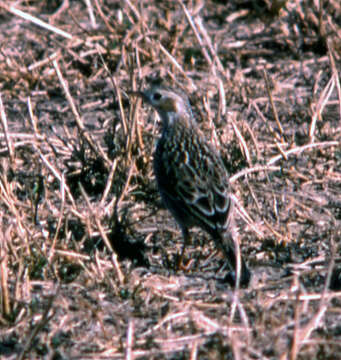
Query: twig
point(197, 35)
point(257, 168)
point(273, 107)
point(130, 340)
point(8, 140)
point(242, 142)
point(44, 319)
point(5, 301)
point(177, 65)
point(91, 14)
point(35, 20)
point(335, 73)
point(302, 148)
point(116, 264)
point(79, 122)
point(322, 102)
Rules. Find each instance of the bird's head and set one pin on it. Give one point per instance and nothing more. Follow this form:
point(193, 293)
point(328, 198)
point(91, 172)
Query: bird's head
point(170, 104)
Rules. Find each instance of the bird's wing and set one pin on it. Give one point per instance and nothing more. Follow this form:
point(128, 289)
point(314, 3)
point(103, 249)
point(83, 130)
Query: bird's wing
point(206, 191)
point(194, 177)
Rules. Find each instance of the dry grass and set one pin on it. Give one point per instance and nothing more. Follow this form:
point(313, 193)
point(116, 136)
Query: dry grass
point(87, 253)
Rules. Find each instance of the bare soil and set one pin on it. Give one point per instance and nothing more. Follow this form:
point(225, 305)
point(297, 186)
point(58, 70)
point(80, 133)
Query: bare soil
point(88, 254)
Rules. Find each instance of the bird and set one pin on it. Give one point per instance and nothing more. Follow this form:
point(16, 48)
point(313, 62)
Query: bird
point(191, 177)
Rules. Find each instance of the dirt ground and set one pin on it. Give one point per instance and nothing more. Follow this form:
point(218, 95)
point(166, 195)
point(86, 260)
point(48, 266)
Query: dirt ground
point(88, 254)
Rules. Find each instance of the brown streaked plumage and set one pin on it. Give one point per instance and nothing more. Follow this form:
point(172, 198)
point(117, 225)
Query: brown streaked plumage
point(191, 176)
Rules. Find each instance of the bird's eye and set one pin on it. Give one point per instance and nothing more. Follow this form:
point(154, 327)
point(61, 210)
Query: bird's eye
point(157, 96)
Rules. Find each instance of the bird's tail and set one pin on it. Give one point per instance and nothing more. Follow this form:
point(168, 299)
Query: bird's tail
point(229, 245)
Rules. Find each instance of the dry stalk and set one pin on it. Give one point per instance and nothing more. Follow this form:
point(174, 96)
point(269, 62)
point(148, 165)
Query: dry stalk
point(272, 103)
point(39, 326)
point(5, 298)
point(114, 257)
point(35, 20)
point(9, 143)
point(83, 132)
point(197, 36)
point(321, 104)
point(300, 149)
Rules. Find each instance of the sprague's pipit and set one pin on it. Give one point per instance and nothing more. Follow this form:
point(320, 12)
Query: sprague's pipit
point(191, 177)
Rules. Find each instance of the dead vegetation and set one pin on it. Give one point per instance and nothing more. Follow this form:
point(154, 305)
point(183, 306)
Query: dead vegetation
point(87, 253)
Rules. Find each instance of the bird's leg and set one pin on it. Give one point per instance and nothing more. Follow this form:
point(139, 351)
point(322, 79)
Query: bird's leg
point(186, 236)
